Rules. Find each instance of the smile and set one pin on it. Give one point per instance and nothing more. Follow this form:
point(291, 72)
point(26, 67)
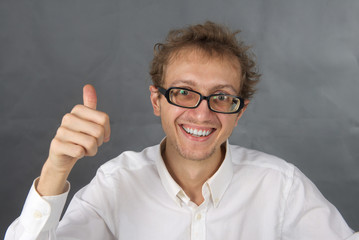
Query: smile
point(196, 132)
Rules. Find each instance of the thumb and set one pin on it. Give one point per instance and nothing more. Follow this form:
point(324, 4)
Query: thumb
point(89, 96)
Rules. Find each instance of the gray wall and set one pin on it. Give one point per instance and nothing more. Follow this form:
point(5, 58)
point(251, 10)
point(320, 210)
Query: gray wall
point(306, 109)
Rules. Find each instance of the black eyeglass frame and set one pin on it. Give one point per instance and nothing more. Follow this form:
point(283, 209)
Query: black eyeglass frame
point(166, 93)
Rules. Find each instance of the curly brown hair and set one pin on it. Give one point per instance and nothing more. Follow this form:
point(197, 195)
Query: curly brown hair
point(210, 38)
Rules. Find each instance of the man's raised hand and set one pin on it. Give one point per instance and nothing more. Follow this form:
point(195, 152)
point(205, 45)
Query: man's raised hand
point(82, 131)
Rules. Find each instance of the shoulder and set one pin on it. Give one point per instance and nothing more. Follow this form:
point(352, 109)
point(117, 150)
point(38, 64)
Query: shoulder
point(244, 157)
point(131, 161)
point(259, 165)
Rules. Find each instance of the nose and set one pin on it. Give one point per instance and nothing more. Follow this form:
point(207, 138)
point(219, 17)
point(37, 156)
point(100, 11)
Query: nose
point(202, 112)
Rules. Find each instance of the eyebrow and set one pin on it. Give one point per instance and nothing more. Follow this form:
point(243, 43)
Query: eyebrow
point(217, 87)
point(188, 82)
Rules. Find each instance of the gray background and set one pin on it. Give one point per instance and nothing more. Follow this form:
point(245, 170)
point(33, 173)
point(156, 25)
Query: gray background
point(306, 109)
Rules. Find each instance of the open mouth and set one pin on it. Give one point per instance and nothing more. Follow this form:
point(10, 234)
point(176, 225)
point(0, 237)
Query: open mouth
point(197, 132)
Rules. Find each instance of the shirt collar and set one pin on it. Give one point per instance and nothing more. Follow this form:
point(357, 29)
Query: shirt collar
point(218, 183)
point(172, 188)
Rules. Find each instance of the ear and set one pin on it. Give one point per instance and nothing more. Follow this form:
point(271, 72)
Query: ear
point(155, 100)
point(246, 102)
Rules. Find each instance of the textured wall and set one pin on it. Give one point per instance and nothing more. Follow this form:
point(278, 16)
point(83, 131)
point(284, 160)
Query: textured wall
point(306, 109)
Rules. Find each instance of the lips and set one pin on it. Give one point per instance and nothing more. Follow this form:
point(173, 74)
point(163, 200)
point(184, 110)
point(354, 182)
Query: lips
point(196, 132)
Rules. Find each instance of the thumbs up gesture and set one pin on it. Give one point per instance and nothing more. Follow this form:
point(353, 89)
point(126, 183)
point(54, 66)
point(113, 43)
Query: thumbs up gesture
point(82, 131)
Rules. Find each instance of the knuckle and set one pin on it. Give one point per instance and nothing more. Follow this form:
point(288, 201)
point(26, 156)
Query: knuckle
point(66, 118)
point(99, 131)
point(60, 131)
point(93, 152)
point(76, 108)
point(56, 147)
point(54, 143)
point(92, 143)
point(78, 152)
point(105, 119)
point(91, 146)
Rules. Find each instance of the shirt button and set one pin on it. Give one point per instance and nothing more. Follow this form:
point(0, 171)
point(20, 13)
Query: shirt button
point(37, 214)
point(199, 216)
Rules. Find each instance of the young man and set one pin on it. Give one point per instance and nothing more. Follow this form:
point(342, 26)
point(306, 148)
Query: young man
point(194, 184)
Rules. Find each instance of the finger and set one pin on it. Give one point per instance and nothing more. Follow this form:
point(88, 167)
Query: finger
point(89, 96)
point(95, 116)
point(61, 148)
point(74, 123)
point(88, 142)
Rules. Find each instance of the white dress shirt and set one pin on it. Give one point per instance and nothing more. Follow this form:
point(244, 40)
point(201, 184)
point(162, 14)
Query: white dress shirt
point(252, 196)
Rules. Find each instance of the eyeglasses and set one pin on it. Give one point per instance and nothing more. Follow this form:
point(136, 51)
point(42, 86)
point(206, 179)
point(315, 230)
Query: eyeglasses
point(220, 103)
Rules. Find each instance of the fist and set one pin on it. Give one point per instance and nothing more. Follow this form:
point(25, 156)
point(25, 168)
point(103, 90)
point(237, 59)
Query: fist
point(82, 131)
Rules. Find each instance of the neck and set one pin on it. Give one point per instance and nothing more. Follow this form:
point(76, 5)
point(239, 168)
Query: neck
point(191, 174)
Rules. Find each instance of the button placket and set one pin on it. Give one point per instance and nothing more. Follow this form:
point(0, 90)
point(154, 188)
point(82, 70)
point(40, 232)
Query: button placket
point(198, 228)
point(198, 225)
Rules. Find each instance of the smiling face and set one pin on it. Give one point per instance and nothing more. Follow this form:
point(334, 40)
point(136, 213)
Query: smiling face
point(197, 134)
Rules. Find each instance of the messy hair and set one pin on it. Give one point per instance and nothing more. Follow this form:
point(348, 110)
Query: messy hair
point(210, 38)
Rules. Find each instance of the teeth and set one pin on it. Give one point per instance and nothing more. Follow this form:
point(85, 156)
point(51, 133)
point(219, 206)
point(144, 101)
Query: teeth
point(197, 133)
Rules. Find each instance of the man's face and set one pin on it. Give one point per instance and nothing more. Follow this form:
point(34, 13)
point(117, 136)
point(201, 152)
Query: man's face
point(207, 75)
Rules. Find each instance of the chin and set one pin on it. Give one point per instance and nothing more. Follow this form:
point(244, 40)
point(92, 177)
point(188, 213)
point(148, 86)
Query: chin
point(195, 155)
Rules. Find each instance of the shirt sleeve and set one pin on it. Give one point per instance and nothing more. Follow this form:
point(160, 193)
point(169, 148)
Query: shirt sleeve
point(39, 217)
point(87, 217)
point(91, 212)
point(308, 215)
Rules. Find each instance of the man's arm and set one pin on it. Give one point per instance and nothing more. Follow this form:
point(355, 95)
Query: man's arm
point(309, 215)
point(80, 134)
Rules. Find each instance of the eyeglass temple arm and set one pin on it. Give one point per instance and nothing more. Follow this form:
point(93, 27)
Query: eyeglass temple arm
point(162, 90)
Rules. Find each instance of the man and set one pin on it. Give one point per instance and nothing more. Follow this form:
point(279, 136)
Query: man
point(194, 184)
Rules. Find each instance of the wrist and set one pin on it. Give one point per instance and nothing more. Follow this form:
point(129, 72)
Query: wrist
point(52, 181)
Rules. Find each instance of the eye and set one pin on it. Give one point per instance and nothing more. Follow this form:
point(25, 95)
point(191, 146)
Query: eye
point(221, 98)
point(184, 92)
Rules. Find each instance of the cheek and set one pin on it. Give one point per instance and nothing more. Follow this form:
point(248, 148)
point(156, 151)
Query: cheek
point(228, 122)
point(169, 113)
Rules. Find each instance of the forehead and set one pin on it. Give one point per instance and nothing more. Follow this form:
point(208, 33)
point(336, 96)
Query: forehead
point(203, 69)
